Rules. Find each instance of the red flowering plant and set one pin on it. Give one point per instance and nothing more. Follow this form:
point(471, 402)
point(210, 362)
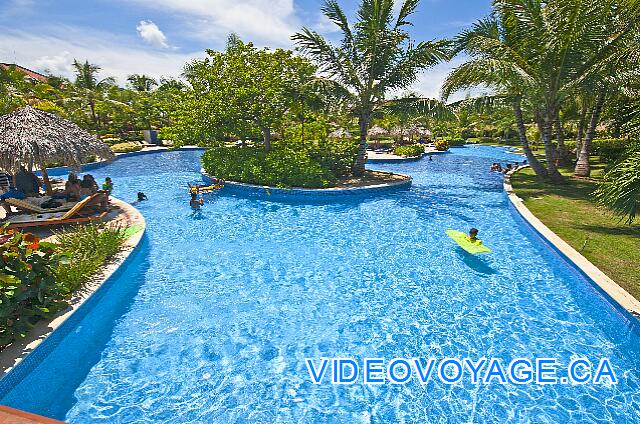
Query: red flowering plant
point(28, 287)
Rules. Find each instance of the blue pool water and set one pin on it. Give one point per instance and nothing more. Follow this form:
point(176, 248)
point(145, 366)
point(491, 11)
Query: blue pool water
point(213, 317)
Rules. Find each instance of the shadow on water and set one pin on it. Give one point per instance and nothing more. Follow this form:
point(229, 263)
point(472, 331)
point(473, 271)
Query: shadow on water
point(48, 389)
point(475, 262)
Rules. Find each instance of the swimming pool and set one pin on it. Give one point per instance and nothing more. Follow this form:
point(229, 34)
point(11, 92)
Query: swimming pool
point(213, 318)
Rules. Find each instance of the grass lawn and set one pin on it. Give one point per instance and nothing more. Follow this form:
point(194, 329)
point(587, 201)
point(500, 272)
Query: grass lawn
point(599, 236)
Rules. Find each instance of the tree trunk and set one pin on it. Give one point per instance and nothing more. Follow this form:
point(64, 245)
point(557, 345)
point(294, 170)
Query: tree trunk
point(361, 158)
point(92, 109)
point(550, 152)
point(266, 135)
point(522, 133)
point(580, 136)
point(583, 167)
point(563, 155)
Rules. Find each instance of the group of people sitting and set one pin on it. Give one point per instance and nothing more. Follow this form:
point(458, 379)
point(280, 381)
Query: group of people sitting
point(25, 184)
point(496, 167)
point(19, 186)
point(76, 189)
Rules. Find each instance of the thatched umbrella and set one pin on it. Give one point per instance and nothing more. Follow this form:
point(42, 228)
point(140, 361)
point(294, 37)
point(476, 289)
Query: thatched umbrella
point(376, 132)
point(31, 137)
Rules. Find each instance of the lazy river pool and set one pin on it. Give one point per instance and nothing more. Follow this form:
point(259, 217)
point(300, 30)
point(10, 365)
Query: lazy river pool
point(212, 318)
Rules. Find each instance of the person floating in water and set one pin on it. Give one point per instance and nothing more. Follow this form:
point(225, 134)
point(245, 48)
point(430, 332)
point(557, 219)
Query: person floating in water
point(196, 202)
point(141, 198)
point(473, 236)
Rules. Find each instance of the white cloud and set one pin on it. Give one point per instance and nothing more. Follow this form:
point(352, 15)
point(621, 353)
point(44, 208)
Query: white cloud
point(152, 34)
point(116, 56)
point(265, 22)
point(59, 64)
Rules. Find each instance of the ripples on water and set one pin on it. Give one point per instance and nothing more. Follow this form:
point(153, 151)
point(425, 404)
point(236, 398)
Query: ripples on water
point(213, 320)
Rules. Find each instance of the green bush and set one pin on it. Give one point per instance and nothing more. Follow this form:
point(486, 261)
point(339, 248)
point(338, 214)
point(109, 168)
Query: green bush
point(570, 145)
point(37, 277)
point(289, 164)
point(411, 151)
point(456, 143)
point(29, 290)
point(610, 150)
point(88, 247)
point(125, 147)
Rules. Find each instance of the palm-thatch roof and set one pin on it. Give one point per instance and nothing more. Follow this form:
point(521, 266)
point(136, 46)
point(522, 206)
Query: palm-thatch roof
point(377, 131)
point(32, 137)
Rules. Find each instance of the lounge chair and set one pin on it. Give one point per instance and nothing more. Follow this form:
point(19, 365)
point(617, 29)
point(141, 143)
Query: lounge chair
point(33, 208)
point(81, 212)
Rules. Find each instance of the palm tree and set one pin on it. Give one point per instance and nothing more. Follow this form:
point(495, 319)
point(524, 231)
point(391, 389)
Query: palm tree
point(497, 50)
point(375, 56)
point(141, 83)
point(89, 86)
point(550, 50)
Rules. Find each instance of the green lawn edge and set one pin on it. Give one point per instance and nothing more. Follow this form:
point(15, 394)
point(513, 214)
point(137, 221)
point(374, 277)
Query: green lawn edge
point(570, 212)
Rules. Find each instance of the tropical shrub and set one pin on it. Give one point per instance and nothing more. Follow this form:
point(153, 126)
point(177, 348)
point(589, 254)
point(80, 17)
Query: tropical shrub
point(412, 150)
point(29, 290)
point(126, 147)
point(610, 150)
point(457, 142)
point(88, 248)
point(442, 145)
point(37, 277)
point(288, 164)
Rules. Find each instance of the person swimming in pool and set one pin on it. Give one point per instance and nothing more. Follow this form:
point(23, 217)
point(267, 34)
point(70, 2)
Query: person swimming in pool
point(196, 203)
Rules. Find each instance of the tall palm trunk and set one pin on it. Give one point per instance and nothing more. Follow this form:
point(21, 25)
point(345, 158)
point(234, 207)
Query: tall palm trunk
point(583, 167)
point(522, 133)
point(549, 149)
point(563, 154)
point(581, 123)
point(361, 158)
point(92, 109)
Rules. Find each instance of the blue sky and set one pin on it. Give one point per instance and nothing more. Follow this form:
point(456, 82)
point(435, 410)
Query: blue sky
point(158, 36)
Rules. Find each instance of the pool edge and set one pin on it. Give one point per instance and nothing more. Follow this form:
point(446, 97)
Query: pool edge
point(234, 187)
point(606, 284)
point(13, 355)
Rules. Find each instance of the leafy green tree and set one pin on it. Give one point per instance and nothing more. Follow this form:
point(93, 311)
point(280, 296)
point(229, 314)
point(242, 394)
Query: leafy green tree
point(374, 57)
point(239, 91)
point(12, 89)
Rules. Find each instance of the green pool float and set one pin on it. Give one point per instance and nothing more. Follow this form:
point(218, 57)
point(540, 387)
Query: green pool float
point(473, 247)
